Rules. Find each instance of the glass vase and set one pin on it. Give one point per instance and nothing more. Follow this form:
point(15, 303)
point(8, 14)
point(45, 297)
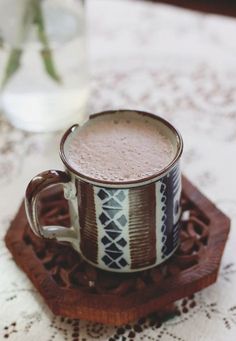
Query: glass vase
point(43, 63)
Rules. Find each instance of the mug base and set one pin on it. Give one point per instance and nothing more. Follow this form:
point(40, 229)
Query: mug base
point(104, 268)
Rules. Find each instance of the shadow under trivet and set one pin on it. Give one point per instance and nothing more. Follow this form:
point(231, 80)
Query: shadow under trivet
point(75, 289)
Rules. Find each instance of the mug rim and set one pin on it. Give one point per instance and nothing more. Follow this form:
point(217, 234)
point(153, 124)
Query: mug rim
point(131, 183)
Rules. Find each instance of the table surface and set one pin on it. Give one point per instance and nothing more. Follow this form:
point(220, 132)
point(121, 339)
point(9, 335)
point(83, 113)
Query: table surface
point(165, 60)
point(225, 7)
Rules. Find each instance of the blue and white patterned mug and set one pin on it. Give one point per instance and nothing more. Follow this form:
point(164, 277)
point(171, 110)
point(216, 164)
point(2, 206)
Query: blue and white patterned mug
point(116, 227)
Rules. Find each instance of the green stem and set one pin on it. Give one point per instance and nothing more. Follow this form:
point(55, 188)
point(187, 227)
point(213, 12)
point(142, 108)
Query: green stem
point(48, 64)
point(12, 65)
point(14, 58)
point(46, 53)
point(1, 42)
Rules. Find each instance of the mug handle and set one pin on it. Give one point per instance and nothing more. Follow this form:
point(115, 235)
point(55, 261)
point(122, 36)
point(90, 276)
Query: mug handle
point(35, 187)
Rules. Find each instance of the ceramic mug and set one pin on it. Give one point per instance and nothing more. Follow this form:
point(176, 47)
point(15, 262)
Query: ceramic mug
point(116, 227)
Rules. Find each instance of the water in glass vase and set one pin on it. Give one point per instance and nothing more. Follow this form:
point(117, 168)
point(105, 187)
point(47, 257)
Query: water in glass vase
point(43, 63)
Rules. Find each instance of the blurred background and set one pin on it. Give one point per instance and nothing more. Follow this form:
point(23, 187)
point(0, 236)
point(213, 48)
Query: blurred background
point(44, 78)
point(44, 58)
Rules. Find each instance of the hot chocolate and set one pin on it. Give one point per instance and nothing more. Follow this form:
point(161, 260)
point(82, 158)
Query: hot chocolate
point(120, 147)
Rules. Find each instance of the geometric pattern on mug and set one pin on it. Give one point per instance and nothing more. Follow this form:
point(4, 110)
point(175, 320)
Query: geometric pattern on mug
point(163, 200)
point(112, 216)
point(176, 178)
point(171, 193)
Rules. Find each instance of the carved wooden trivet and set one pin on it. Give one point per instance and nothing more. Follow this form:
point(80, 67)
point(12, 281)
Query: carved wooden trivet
point(75, 289)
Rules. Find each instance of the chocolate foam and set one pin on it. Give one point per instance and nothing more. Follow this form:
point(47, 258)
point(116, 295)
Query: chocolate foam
point(120, 147)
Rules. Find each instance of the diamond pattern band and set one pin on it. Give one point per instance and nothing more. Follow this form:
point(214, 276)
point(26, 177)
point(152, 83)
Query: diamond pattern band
point(112, 219)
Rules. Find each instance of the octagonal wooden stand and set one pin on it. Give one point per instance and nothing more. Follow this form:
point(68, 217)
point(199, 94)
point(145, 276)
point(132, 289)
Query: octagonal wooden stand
point(74, 289)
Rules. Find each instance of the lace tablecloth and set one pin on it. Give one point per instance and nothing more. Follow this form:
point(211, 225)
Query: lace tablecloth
point(165, 60)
